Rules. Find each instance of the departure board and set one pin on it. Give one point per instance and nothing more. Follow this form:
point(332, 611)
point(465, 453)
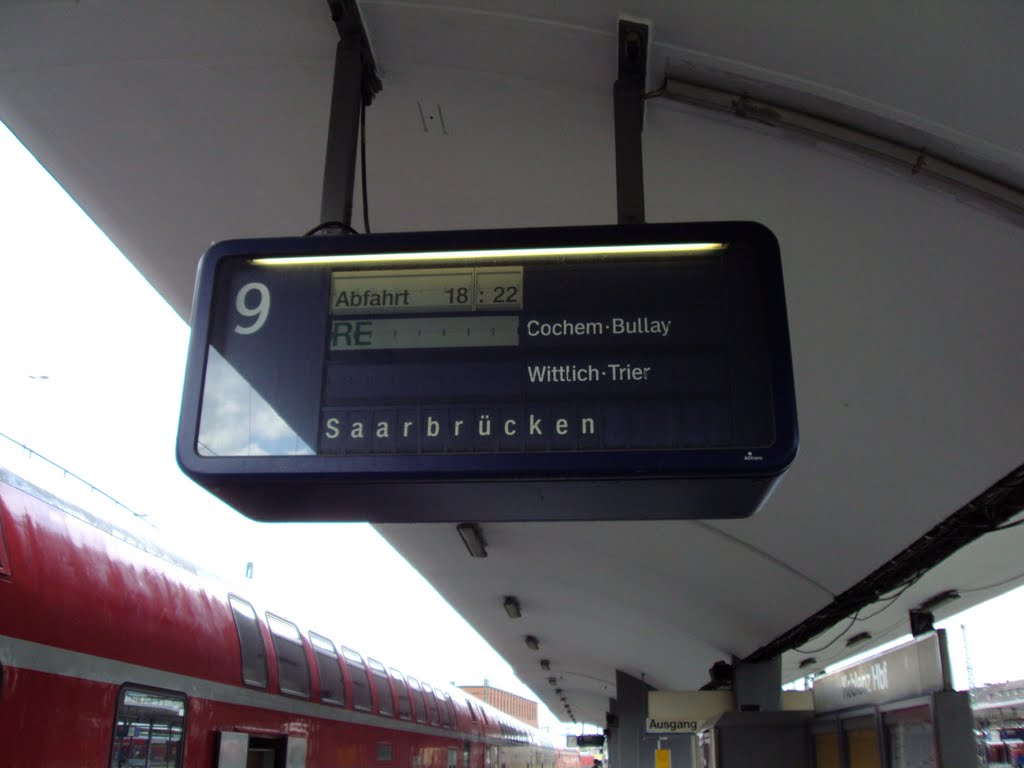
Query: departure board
point(554, 355)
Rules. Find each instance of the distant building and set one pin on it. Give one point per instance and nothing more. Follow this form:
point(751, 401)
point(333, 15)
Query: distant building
point(999, 717)
point(522, 709)
point(1001, 704)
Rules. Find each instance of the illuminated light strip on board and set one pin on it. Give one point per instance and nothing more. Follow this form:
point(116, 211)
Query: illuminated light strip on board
point(499, 254)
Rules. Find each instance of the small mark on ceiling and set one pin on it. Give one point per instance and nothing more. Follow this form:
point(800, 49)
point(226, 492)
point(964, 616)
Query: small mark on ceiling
point(432, 118)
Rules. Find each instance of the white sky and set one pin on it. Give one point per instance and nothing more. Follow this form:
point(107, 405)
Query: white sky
point(74, 310)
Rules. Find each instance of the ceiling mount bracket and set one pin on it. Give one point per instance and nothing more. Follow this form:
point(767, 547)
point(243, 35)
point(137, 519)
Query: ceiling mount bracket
point(628, 94)
point(356, 82)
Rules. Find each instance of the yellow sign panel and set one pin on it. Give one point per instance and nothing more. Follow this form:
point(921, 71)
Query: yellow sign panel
point(662, 758)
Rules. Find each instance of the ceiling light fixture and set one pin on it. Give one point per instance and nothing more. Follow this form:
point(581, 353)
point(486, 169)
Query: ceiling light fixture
point(512, 607)
point(808, 662)
point(532, 643)
point(942, 598)
point(473, 539)
point(860, 637)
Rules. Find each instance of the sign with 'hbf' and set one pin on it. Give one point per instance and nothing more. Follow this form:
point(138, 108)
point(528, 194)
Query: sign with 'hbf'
point(914, 669)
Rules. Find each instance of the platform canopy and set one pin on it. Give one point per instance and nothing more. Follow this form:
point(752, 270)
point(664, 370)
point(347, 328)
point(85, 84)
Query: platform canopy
point(176, 124)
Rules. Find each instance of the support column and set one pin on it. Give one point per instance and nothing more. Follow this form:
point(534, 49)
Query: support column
point(611, 732)
point(342, 134)
point(628, 747)
point(629, 121)
point(355, 84)
point(757, 686)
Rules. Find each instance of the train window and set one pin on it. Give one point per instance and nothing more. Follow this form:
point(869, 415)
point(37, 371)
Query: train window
point(332, 686)
point(5, 565)
point(292, 664)
point(446, 716)
point(385, 701)
point(149, 729)
point(254, 654)
point(417, 699)
point(451, 709)
point(385, 752)
point(428, 697)
point(361, 696)
point(453, 757)
point(404, 705)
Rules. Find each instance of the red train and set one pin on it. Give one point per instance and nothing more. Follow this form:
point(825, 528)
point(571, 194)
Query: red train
point(1004, 747)
point(112, 653)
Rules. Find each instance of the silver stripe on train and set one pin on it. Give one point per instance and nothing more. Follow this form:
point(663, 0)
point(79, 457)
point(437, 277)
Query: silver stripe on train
point(25, 654)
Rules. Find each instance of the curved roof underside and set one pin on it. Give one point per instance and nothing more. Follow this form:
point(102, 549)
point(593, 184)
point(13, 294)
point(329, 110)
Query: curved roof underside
point(175, 124)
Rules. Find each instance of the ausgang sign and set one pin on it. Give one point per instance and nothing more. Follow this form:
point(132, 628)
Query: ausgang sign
point(679, 712)
point(569, 373)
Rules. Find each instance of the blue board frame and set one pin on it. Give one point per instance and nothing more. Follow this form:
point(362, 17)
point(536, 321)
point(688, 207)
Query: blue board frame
point(609, 484)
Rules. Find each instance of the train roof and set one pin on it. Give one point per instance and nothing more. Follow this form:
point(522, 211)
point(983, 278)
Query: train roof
point(177, 568)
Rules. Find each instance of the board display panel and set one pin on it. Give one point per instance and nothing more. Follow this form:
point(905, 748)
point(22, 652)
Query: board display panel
point(584, 372)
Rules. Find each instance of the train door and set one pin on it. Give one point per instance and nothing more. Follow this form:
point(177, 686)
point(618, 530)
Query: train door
point(240, 750)
point(149, 728)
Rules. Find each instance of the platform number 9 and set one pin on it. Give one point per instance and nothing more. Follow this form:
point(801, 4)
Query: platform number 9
point(258, 312)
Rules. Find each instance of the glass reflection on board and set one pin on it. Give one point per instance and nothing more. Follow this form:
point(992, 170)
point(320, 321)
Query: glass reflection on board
point(236, 421)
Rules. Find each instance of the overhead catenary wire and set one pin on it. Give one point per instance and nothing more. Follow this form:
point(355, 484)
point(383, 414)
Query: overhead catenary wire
point(999, 502)
point(889, 602)
point(1002, 583)
point(1007, 526)
point(833, 641)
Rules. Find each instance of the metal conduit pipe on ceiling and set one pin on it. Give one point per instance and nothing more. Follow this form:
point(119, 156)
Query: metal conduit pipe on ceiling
point(928, 158)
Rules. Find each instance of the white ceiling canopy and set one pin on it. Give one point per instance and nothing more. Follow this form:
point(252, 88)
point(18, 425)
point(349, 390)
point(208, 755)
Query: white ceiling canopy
point(176, 124)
